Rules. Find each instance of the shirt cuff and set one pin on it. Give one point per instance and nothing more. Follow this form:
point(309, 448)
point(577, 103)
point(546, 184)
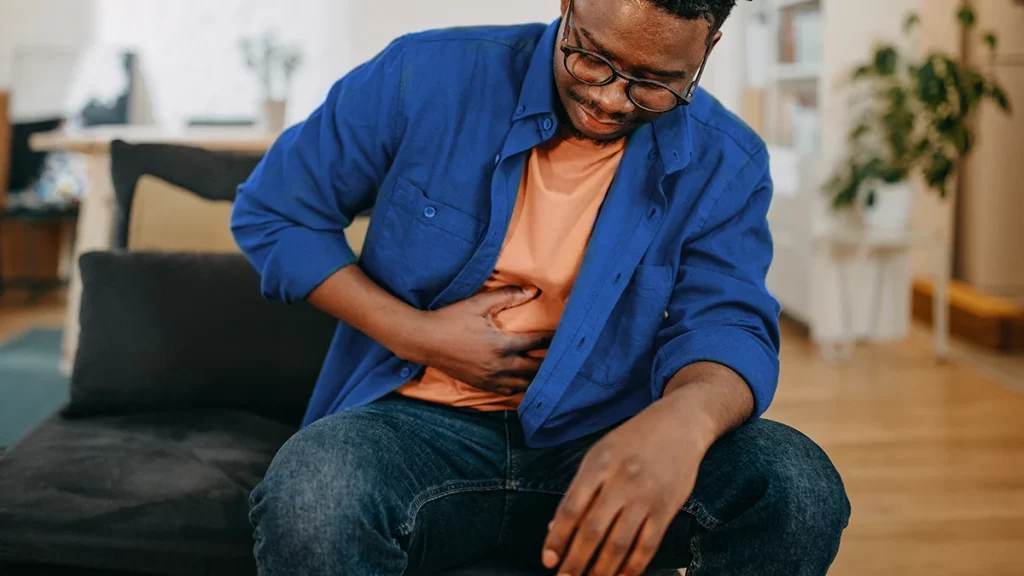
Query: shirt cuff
point(302, 259)
point(735, 348)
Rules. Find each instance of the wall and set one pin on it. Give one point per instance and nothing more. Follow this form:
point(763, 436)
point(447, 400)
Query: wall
point(192, 62)
point(41, 22)
point(65, 25)
point(375, 24)
point(989, 252)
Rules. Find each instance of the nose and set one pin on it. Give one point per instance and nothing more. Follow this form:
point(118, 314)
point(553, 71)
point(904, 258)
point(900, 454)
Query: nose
point(613, 99)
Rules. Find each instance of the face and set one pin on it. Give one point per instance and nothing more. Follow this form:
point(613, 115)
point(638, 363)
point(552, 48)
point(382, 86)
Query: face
point(640, 40)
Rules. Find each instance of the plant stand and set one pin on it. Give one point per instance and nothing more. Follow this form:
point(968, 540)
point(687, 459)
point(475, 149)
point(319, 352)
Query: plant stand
point(862, 246)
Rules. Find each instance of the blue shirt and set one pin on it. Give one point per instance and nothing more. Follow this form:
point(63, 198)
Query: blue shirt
point(432, 135)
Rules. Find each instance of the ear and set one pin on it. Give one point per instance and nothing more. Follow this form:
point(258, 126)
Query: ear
point(718, 36)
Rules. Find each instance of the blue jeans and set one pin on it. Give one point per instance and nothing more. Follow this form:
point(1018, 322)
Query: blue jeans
point(407, 487)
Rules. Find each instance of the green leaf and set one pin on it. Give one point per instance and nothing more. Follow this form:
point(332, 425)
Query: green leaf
point(991, 41)
point(966, 16)
point(911, 21)
point(968, 142)
point(886, 59)
point(1000, 97)
point(938, 170)
point(859, 131)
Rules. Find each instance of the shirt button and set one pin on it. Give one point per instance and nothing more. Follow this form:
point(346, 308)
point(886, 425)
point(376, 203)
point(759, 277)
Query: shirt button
point(652, 154)
point(520, 110)
point(406, 372)
point(430, 211)
point(548, 124)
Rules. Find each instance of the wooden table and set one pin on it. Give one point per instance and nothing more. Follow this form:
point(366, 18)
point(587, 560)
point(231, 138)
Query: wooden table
point(98, 207)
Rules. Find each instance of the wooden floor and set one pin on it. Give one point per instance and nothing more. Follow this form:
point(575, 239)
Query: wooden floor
point(932, 454)
point(18, 313)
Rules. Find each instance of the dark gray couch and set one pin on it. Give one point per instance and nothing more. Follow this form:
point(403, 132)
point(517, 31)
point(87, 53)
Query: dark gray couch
point(185, 384)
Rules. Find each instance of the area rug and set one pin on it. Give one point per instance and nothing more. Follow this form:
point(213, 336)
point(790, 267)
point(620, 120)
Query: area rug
point(31, 384)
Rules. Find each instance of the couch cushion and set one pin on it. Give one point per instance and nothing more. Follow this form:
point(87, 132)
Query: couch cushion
point(170, 218)
point(210, 174)
point(163, 493)
point(163, 331)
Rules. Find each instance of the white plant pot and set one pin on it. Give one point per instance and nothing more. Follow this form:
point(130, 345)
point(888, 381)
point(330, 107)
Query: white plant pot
point(891, 210)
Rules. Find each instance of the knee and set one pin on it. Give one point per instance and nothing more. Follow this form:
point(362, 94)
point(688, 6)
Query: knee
point(317, 490)
point(803, 493)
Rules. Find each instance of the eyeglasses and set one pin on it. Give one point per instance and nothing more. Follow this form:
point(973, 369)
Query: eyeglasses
point(593, 69)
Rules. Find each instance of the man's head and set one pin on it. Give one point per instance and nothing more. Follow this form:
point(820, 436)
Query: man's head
point(660, 44)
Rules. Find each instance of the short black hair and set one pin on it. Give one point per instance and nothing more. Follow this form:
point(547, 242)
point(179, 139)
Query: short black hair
point(714, 11)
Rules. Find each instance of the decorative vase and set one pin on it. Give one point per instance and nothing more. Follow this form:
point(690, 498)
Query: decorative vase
point(274, 114)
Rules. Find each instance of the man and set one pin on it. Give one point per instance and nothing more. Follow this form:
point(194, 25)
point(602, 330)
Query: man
point(557, 342)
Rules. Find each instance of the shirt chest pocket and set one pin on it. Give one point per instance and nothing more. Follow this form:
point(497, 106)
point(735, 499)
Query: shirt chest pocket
point(432, 241)
point(624, 352)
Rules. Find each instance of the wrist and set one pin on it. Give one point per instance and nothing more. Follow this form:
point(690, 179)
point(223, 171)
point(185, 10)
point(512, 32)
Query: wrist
point(695, 422)
point(411, 340)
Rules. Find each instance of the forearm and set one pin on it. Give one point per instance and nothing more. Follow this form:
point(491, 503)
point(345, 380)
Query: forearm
point(352, 297)
point(710, 399)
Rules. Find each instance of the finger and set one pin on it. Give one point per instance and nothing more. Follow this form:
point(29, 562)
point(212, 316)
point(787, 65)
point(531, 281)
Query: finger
point(591, 532)
point(523, 366)
point(504, 298)
point(570, 512)
point(510, 385)
point(528, 341)
point(645, 546)
point(619, 542)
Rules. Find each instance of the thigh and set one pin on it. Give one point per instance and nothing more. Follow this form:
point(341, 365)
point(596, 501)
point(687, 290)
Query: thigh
point(542, 477)
point(426, 477)
point(761, 487)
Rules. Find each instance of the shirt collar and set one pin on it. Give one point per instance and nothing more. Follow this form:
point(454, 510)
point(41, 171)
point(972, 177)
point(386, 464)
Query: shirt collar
point(538, 96)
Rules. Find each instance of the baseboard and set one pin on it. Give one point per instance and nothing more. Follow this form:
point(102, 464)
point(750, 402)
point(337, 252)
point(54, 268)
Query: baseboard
point(982, 319)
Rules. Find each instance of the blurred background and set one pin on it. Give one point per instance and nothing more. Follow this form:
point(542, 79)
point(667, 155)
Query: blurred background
point(896, 131)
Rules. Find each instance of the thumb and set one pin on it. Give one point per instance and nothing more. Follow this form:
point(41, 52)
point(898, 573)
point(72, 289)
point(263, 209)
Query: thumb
point(507, 297)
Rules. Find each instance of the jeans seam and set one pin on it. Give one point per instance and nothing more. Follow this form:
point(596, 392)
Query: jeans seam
point(695, 509)
point(441, 491)
point(556, 489)
point(509, 480)
point(695, 560)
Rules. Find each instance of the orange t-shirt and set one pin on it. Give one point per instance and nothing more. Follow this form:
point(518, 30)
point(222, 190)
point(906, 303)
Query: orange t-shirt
point(564, 183)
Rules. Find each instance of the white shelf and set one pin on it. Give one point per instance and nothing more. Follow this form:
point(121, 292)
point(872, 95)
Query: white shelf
point(783, 4)
point(796, 72)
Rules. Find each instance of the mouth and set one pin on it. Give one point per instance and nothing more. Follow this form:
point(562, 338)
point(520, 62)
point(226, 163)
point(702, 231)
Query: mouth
point(596, 126)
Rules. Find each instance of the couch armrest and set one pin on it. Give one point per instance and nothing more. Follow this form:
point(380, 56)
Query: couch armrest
point(166, 331)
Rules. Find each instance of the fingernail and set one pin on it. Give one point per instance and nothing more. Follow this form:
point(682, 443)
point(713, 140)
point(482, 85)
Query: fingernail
point(550, 559)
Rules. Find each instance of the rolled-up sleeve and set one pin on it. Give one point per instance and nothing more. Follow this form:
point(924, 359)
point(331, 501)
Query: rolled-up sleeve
point(721, 310)
point(290, 215)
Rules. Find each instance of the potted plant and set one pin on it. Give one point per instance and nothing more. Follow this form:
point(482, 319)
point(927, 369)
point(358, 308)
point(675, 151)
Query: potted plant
point(274, 65)
point(913, 117)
